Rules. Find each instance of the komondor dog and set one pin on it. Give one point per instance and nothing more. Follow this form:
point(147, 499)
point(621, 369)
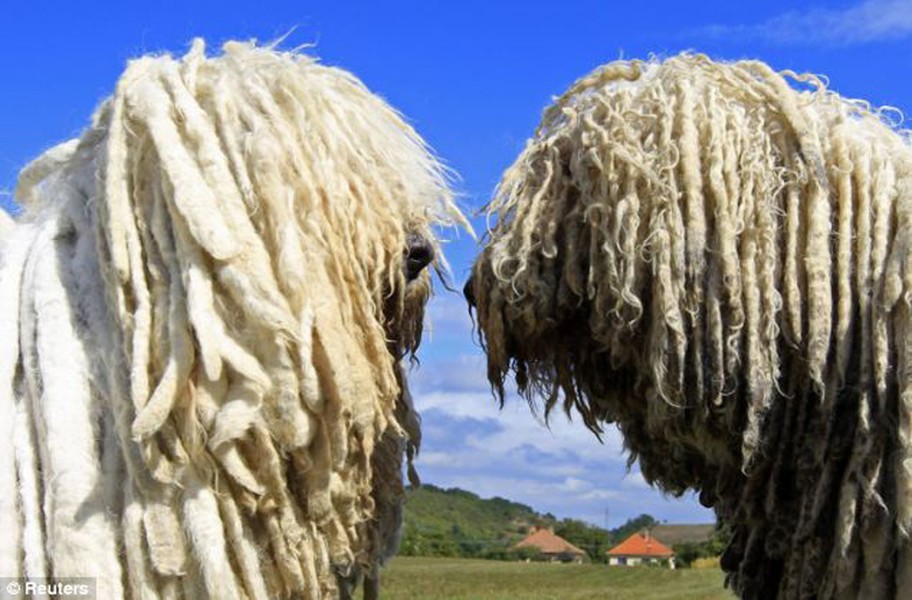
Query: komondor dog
point(205, 304)
point(716, 257)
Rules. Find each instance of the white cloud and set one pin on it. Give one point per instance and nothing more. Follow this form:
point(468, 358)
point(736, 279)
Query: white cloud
point(634, 480)
point(601, 495)
point(461, 373)
point(518, 426)
point(471, 443)
point(574, 484)
point(868, 21)
point(441, 459)
point(448, 313)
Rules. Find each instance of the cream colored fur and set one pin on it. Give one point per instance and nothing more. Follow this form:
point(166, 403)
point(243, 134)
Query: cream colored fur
point(204, 312)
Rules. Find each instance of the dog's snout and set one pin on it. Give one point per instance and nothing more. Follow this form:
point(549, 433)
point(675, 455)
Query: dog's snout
point(469, 292)
point(419, 253)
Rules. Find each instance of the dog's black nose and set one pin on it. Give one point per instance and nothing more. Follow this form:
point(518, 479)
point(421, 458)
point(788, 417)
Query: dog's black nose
point(469, 292)
point(419, 253)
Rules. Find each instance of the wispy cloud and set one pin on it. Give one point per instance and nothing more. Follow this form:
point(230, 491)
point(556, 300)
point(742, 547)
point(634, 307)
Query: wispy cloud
point(469, 442)
point(449, 313)
point(866, 22)
point(460, 373)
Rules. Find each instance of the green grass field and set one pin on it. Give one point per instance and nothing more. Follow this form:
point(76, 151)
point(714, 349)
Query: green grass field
point(419, 578)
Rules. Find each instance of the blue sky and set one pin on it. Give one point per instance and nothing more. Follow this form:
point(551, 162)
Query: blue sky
point(473, 77)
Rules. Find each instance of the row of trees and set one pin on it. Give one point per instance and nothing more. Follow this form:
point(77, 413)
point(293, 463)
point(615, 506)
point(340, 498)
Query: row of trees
point(595, 541)
point(688, 552)
point(458, 523)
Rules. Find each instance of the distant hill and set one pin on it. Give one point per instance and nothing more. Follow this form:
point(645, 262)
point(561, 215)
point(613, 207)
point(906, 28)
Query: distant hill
point(459, 523)
point(684, 534)
point(454, 522)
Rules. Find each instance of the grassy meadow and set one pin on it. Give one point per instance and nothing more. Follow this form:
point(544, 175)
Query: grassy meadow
point(423, 578)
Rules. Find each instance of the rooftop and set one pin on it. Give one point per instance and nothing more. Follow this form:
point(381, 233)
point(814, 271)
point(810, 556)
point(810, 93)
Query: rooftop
point(641, 544)
point(548, 542)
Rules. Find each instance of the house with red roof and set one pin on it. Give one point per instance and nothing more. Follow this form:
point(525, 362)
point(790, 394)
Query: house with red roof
point(551, 546)
point(641, 548)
